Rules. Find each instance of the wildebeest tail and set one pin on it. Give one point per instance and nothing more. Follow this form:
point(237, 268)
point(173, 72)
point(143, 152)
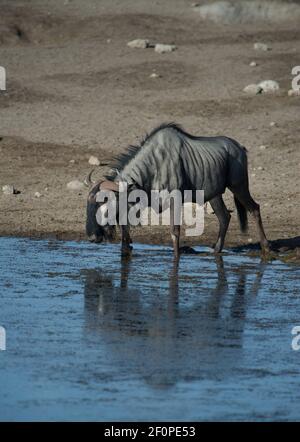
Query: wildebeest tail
point(242, 215)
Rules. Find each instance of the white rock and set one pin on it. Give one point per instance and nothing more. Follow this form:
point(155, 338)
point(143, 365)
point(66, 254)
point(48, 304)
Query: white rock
point(37, 195)
point(263, 147)
point(253, 64)
point(162, 48)
point(8, 189)
point(293, 92)
point(138, 44)
point(72, 161)
point(253, 89)
point(261, 47)
point(75, 185)
point(154, 75)
point(268, 86)
point(273, 124)
point(94, 161)
point(260, 168)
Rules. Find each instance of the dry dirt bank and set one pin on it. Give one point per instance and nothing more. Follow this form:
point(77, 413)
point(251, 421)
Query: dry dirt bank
point(75, 89)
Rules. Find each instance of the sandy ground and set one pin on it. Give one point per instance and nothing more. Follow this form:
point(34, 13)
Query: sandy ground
point(74, 89)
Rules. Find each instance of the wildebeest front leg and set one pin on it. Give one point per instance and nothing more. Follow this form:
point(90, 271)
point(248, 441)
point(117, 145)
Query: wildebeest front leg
point(175, 229)
point(126, 239)
point(223, 216)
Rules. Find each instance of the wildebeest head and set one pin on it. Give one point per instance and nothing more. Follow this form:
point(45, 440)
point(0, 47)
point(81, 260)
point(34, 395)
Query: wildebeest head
point(96, 232)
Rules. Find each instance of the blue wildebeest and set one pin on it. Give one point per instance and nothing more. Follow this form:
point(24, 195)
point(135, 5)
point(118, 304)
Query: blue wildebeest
point(170, 158)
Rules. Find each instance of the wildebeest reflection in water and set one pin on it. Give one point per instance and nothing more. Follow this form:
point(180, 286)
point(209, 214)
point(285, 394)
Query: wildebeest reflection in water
point(161, 334)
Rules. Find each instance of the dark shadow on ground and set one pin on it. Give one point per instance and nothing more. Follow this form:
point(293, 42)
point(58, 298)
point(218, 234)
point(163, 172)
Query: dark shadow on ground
point(277, 245)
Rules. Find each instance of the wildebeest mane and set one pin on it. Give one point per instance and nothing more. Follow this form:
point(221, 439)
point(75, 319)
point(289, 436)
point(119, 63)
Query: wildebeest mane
point(121, 160)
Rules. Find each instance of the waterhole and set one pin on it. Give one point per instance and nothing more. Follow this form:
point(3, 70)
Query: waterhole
point(94, 336)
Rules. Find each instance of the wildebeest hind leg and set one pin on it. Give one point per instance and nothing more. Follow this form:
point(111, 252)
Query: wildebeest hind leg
point(223, 216)
point(246, 199)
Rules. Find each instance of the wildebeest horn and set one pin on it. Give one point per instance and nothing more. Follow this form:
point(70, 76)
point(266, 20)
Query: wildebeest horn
point(88, 180)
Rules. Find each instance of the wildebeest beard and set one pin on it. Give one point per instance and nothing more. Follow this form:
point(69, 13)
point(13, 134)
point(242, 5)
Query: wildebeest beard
point(95, 232)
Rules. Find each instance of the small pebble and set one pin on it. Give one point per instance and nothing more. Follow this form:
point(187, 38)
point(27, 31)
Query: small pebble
point(37, 194)
point(138, 44)
point(7, 189)
point(253, 64)
point(154, 75)
point(261, 47)
point(268, 86)
point(162, 48)
point(253, 89)
point(75, 185)
point(94, 161)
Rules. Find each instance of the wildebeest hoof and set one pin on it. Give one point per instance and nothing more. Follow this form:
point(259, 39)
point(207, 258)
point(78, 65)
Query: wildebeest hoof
point(217, 248)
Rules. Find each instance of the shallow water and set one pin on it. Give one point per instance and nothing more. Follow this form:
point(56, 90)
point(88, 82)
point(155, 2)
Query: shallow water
point(91, 336)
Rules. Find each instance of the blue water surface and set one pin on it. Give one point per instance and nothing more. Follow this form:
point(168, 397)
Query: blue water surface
point(93, 336)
